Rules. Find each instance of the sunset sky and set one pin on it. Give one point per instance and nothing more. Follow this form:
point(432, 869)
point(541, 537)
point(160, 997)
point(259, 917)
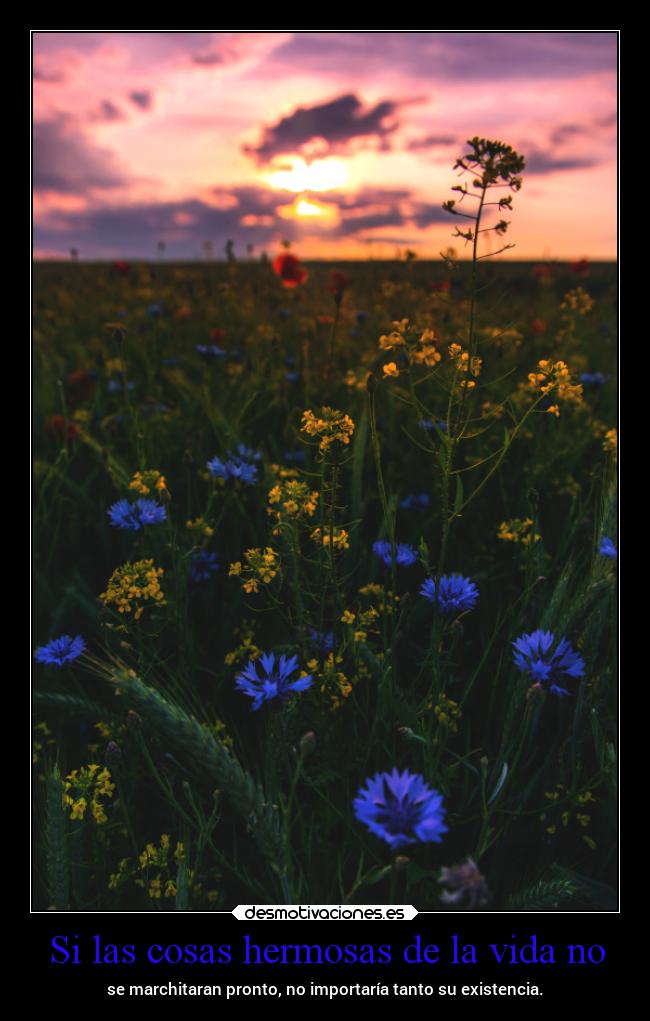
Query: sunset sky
point(342, 143)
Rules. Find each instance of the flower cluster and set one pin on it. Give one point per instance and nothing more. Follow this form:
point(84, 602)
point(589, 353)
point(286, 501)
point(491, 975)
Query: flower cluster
point(290, 500)
point(200, 528)
point(465, 364)
point(334, 538)
point(455, 593)
point(210, 351)
point(160, 858)
point(259, 566)
point(554, 378)
point(88, 785)
point(607, 548)
point(134, 516)
point(578, 300)
point(203, 565)
point(415, 347)
point(331, 427)
point(405, 555)
point(237, 467)
point(465, 884)
point(447, 712)
point(518, 530)
point(565, 808)
point(534, 655)
point(246, 648)
point(610, 443)
point(401, 809)
point(60, 650)
point(274, 680)
point(133, 586)
point(144, 482)
point(333, 683)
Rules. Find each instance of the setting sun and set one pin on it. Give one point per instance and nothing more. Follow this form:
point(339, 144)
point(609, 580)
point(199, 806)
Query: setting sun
point(303, 208)
point(321, 175)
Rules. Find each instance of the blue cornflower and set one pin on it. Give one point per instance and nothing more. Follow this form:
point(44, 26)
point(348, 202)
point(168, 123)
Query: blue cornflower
point(210, 351)
point(292, 377)
point(533, 655)
point(607, 548)
point(116, 386)
point(322, 642)
point(155, 310)
point(295, 456)
point(405, 555)
point(60, 650)
point(233, 467)
point(430, 426)
point(203, 565)
point(248, 453)
point(361, 316)
point(416, 501)
point(401, 809)
point(274, 681)
point(594, 379)
point(134, 516)
point(455, 593)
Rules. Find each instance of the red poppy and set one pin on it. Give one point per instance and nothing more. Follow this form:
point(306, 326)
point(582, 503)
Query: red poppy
point(80, 385)
point(581, 267)
point(538, 326)
point(216, 335)
point(60, 428)
point(541, 271)
point(441, 285)
point(338, 283)
point(121, 266)
point(290, 270)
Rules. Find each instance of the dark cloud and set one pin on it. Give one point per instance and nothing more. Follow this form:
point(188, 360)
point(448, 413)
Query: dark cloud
point(107, 111)
point(541, 162)
point(245, 214)
point(67, 162)
point(453, 56)
point(52, 77)
point(430, 142)
point(427, 213)
point(566, 132)
point(338, 121)
point(142, 99)
point(208, 59)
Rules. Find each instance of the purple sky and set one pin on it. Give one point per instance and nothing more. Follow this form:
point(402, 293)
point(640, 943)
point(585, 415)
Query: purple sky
point(341, 142)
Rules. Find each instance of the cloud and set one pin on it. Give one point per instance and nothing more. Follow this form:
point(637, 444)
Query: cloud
point(41, 74)
point(65, 161)
point(107, 112)
point(246, 214)
point(452, 57)
point(427, 213)
point(430, 142)
point(143, 99)
point(337, 122)
point(540, 162)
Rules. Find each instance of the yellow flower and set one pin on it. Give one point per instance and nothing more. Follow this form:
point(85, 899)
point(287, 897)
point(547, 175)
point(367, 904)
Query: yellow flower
point(391, 369)
point(332, 426)
point(133, 586)
point(144, 482)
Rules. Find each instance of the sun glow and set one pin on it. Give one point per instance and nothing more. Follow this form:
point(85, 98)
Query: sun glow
point(326, 215)
point(296, 175)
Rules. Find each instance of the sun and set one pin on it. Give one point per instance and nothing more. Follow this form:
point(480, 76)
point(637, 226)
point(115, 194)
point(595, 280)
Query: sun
point(296, 175)
point(308, 208)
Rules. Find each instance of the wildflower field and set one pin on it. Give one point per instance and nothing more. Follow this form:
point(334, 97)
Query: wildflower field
point(325, 576)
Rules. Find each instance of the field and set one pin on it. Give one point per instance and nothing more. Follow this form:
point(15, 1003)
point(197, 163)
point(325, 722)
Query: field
point(389, 471)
